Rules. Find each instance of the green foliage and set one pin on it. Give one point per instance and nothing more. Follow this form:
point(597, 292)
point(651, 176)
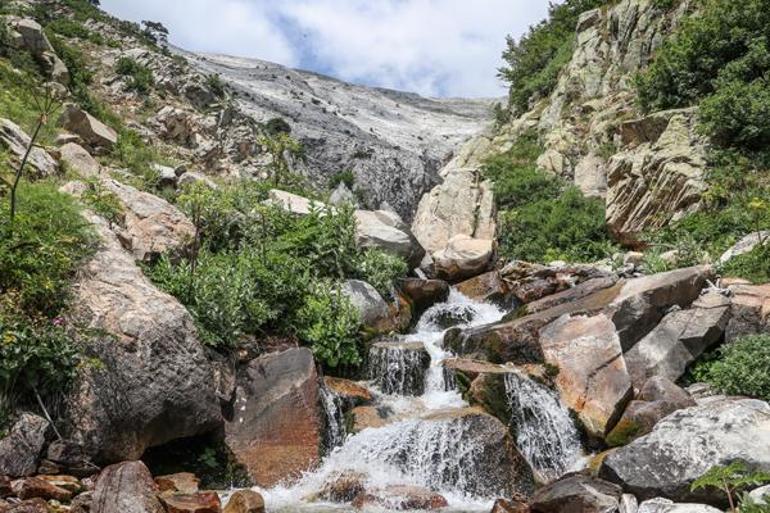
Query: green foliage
point(39, 255)
point(18, 104)
point(216, 85)
point(739, 368)
point(132, 153)
point(380, 270)
point(753, 266)
point(279, 145)
point(103, 202)
point(730, 479)
point(69, 28)
point(140, 78)
point(275, 126)
point(347, 177)
point(18, 58)
point(533, 63)
point(542, 218)
point(330, 323)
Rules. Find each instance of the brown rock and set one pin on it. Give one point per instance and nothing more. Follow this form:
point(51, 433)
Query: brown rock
point(401, 497)
point(532, 282)
point(184, 482)
point(510, 506)
point(201, 502)
point(30, 506)
point(485, 287)
point(70, 483)
point(593, 379)
point(463, 258)
point(344, 487)
point(275, 430)
point(37, 488)
point(750, 310)
point(424, 293)
point(349, 391)
point(20, 449)
point(5, 487)
point(126, 488)
point(366, 417)
point(245, 501)
point(570, 295)
point(577, 494)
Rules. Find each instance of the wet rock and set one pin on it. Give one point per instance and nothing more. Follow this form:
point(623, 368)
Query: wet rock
point(680, 338)
point(245, 501)
point(374, 310)
point(660, 505)
point(344, 487)
point(349, 391)
point(593, 379)
point(184, 482)
point(577, 493)
point(424, 293)
point(570, 295)
point(154, 383)
point(510, 506)
point(385, 230)
point(658, 398)
point(749, 311)
point(37, 488)
point(464, 257)
point(399, 367)
point(79, 160)
point(273, 438)
point(488, 287)
point(364, 417)
point(200, 502)
point(152, 226)
point(686, 444)
point(21, 448)
point(532, 282)
point(126, 488)
point(93, 132)
point(16, 141)
point(400, 498)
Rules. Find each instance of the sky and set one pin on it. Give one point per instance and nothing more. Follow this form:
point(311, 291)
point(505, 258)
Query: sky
point(443, 48)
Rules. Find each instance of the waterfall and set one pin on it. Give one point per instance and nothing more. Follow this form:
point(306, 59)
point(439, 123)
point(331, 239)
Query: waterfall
point(335, 419)
point(545, 432)
point(399, 368)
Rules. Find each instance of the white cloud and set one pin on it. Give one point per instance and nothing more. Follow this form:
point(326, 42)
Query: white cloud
point(434, 47)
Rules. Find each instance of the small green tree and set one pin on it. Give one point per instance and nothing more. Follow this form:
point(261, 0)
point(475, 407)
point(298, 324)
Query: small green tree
point(281, 147)
point(730, 479)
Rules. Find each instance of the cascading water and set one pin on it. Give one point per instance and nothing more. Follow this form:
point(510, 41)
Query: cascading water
point(335, 419)
point(545, 432)
point(432, 439)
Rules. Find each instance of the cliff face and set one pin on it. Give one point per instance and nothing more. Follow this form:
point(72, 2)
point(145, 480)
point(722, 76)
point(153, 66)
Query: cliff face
point(648, 169)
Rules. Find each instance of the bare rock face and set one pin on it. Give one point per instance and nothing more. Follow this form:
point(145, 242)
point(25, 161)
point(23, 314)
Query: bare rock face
point(16, 141)
point(577, 493)
point(463, 257)
point(152, 226)
point(20, 450)
point(79, 160)
point(750, 310)
point(93, 132)
point(687, 443)
point(593, 379)
point(657, 181)
point(386, 231)
point(126, 488)
point(660, 505)
point(199, 502)
point(154, 383)
point(275, 427)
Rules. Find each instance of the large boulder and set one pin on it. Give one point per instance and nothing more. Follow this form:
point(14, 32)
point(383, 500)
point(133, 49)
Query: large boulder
point(374, 310)
point(28, 34)
point(532, 282)
point(93, 132)
point(593, 380)
point(126, 488)
point(16, 141)
point(275, 427)
point(423, 293)
point(153, 383)
point(21, 448)
point(658, 398)
point(487, 287)
point(245, 501)
point(292, 203)
point(686, 444)
point(749, 311)
point(680, 338)
point(151, 225)
point(661, 505)
point(463, 257)
point(577, 494)
point(77, 158)
point(385, 230)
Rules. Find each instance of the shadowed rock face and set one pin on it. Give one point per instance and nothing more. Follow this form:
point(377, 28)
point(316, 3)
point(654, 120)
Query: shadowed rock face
point(394, 142)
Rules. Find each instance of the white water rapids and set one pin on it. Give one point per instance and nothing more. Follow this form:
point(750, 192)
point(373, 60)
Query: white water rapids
point(441, 455)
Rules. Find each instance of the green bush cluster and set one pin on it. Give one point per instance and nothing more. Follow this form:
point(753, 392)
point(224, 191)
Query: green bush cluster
point(541, 217)
point(533, 63)
point(139, 77)
point(256, 269)
point(380, 270)
point(739, 368)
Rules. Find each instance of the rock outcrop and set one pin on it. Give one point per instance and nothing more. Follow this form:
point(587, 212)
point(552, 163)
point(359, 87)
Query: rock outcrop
point(153, 383)
point(16, 141)
point(577, 493)
point(98, 136)
point(21, 448)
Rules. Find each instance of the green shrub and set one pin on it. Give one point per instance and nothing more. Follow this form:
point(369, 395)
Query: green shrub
point(132, 153)
point(330, 324)
point(380, 270)
point(41, 251)
point(140, 78)
point(18, 102)
point(103, 202)
point(216, 85)
point(740, 368)
point(753, 266)
point(69, 28)
point(347, 177)
point(738, 114)
point(533, 63)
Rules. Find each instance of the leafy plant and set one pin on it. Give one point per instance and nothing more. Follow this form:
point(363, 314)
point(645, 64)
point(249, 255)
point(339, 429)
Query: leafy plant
point(140, 78)
point(730, 479)
point(380, 270)
point(347, 177)
point(739, 368)
point(103, 202)
point(281, 146)
point(216, 85)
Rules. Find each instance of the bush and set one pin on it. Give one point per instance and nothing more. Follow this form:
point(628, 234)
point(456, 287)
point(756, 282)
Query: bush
point(380, 270)
point(41, 250)
point(534, 62)
point(140, 78)
point(753, 266)
point(69, 28)
point(740, 368)
point(738, 114)
point(215, 84)
point(103, 202)
point(347, 177)
point(330, 324)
